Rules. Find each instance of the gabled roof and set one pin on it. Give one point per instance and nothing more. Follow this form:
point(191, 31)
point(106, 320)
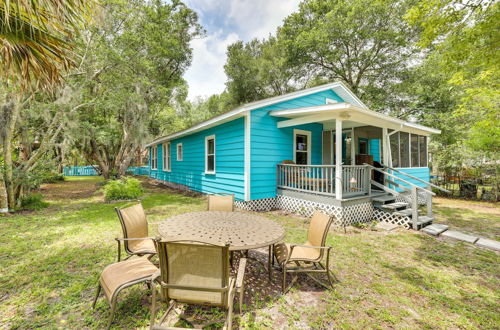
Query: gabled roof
point(338, 87)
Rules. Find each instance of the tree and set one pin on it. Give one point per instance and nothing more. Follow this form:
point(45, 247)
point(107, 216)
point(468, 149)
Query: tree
point(131, 73)
point(365, 43)
point(259, 69)
point(463, 39)
point(37, 38)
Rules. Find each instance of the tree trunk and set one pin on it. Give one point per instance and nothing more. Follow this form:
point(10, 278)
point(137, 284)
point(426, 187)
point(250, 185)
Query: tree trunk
point(7, 150)
point(4, 205)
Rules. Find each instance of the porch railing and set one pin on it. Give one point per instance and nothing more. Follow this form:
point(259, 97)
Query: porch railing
point(320, 179)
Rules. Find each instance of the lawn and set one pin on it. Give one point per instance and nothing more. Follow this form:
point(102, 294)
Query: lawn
point(50, 261)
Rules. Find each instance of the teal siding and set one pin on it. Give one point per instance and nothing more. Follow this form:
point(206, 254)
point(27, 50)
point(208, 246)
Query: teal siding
point(229, 164)
point(271, 145)
point(419, 172)
point(374, 147)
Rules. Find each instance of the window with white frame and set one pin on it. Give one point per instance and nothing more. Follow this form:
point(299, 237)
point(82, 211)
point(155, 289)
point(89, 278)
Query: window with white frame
point(408, 150)
point(301, 147)
point(167, 163)
point(210, 154)
point(179, 151)
point(154, 157)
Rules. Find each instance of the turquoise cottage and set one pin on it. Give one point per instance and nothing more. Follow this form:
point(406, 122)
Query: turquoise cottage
point(318, 148)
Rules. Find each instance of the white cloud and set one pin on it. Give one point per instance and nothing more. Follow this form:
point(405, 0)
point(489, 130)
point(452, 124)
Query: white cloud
point(227, 21)
point(206, 75)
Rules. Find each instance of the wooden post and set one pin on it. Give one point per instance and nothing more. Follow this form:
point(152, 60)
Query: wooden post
point(429, 202)
point(353, 148)
point(338, 159)
point(414, 207)
point(368, 177)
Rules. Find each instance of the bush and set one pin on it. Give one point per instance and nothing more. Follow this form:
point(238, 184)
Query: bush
point(54, 178)
point(33, 202)
point(125, 188)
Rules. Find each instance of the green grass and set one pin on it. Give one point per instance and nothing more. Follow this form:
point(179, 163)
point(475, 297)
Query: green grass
point(50, 261)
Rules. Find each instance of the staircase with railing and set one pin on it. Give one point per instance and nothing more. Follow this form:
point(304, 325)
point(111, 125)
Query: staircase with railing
point(408, 193)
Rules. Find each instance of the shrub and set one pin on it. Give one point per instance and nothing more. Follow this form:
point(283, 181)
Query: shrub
point(54, 177)
point(125, 188)
point(33, 202)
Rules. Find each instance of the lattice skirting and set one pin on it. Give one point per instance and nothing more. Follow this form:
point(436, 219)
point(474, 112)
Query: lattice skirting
point(391, 218)
point(260, 205)
point(344, 216)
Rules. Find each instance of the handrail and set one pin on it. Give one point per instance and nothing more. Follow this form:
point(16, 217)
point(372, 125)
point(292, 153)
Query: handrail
point(418, 179)
point(402, 180)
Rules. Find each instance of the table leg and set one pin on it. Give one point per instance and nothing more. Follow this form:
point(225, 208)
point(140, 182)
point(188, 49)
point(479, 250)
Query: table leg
point(269, 263)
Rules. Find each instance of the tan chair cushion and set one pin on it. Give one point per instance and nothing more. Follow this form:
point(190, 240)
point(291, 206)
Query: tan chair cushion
point(143, 246)
point(318, 229)
point(221, 203)
point(118, 274)
point(136, 224)
point(299, 253)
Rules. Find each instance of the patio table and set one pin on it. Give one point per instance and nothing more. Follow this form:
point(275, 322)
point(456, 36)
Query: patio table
point(242, 231)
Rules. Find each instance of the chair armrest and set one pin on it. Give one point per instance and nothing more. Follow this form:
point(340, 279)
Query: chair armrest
point(155, 276)
point(134, 239)
point(241, 272)
point(292, 246)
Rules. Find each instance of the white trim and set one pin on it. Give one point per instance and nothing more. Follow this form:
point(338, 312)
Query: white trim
point(177, 152)
point(247, 156)
point(309, 144)
point(206, 154)
point(353, 147)
point(346, 110)
point(167, 154)
point(338, 87)
point(154, 157)
point(338, 159)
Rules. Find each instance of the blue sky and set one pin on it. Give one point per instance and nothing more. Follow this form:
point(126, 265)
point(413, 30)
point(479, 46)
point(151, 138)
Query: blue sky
point(225, 22)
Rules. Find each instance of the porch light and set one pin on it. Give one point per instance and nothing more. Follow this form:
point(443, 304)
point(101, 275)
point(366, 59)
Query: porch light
point(353, 183)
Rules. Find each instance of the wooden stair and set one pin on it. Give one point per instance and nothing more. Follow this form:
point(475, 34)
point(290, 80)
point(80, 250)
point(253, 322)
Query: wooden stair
point(387, 203)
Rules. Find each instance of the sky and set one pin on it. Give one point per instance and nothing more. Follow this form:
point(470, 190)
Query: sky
point(225, 22)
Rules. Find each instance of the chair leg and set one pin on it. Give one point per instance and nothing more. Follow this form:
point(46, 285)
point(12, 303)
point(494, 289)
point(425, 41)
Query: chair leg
point(111, 312)
point(96, 295)
point(153, 306)
point(270, 263)
point(283, 284)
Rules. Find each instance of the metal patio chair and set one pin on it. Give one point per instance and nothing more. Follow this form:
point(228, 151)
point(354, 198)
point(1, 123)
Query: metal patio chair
point(307, 258)
point(220, 202)
point(121, 275)
point(135, 232)
point(196, 273)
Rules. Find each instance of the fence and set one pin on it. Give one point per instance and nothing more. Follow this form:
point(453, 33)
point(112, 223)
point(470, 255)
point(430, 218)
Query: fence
point(91, 170)
point(469, 187)
point(79, 171)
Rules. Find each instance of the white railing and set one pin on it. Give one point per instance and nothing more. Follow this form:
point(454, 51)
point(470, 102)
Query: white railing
point(320, 179)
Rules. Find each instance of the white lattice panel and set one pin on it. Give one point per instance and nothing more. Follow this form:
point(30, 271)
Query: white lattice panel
point(265, 204)
point(382, 216)
point(357, 213)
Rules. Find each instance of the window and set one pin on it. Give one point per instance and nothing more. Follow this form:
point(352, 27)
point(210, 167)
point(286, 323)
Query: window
point(154, 157)
point(394, 141)
point(179, 151)
point(404, 149)
point(423, 150)
point(408, 150)
point(166, 157)
point(210, 154)
point(302, 147)
point(414, 151)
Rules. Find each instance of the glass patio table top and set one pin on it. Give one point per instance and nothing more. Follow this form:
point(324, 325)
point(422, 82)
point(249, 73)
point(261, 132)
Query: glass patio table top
point(242, 231)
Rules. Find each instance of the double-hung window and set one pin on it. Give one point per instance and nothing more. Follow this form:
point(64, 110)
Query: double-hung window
point(154, 157)
point(301, 147)
point(179, 151)
point(210, 154)
point(166, 157)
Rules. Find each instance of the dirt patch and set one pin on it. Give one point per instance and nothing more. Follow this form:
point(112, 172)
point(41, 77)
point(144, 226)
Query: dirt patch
point(70, 189)
point(483, 207)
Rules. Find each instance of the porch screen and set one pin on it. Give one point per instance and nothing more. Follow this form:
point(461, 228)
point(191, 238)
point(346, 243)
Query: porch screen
point(301, 148)
point(404, 149)
point(408, 150)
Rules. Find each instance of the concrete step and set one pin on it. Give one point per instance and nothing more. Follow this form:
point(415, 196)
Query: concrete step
point(384, 199)
point(435, 229)
point(395, 206)
point(424, 220)
point(404, 213)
